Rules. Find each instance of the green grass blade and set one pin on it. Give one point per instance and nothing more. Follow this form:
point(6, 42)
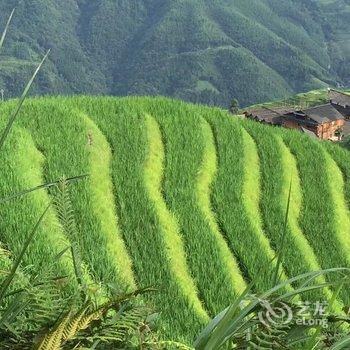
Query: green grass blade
point(61, 253)
point(4, 33)
point(231, 322)
point(217, 328)
point(21, 290)
point(7, 282)
point(204, 335)
point(283, 240)
point(20, 103)
point(43, 186)
point(12, 310)
point(342, 344)
point(220, 323)
point(303, 290)
point(306, 275)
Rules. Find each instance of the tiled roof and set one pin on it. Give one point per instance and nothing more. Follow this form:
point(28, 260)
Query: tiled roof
point(270, 115)
point(319, 114)
point(323, 113)
point(339, 98)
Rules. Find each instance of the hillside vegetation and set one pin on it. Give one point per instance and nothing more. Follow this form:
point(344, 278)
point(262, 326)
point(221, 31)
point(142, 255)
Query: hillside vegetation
point(200, 51)
point(185, 198)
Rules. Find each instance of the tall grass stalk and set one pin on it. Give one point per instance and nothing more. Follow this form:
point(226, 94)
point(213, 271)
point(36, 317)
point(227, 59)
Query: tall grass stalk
point(4, 33)
point(5, 285)
point(40, 187)
point(20, 102)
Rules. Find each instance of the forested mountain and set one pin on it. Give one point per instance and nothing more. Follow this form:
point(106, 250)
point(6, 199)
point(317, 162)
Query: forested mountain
point(197, 50)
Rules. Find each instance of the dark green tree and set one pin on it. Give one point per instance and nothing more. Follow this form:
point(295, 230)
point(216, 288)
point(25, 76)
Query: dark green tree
point(234, 107)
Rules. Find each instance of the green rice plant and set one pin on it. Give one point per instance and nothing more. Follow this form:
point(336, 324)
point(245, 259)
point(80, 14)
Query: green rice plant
point(251, 200)
point(179, 197)
point(279, 171)
point(242, 324)
point(100, 157)
point(124, 124)
point(342, 157)
point(153, 176)
point(322, 202)
point(188, 182)
point(23, 164)
point(80, 148)
point(236, 196)
point(205, 180)
point(308, 260)
point(251, 188)
point(341, 209)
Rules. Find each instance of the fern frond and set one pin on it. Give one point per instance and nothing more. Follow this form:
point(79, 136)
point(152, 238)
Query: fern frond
point(73, 326)
point(53, 340)
point(65, 215)
point(111, 304)
point(86, 321)
point(170, 345)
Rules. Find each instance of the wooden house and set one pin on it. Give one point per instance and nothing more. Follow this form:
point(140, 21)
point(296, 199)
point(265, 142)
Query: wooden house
point(340, 101)
point(324, 121)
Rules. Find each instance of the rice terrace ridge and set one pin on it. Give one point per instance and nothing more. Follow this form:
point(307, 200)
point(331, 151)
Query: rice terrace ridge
point(159, 198)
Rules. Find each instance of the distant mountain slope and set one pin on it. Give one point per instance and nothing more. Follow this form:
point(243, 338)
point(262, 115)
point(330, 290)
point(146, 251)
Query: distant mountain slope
point(197, 50)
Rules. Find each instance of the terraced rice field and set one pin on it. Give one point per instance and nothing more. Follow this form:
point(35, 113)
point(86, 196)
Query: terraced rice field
point(184, 198)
